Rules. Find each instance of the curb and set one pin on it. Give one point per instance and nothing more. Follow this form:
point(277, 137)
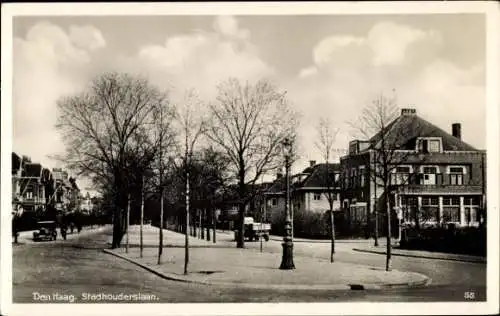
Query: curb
point(179, 278)
point(320, 241)
point(379, 252)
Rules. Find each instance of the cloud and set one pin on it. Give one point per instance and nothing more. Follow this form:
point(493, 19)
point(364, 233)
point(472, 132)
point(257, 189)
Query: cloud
point(201, 59)
point(329, 48)
point(47, 65)
point(228, 26)
point(86, 37)
point(390, 42)
point(347, 72)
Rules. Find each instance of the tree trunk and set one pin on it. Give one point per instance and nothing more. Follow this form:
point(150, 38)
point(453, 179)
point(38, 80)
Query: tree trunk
point(142, 221)
point(201, 233)
point(128, 222)
point(332, 232)
point(388, 265)
point(186, 238)
point(376, 214)
point(240, 242)
point(160, 243)
point(117, 228)
point(118, 220)
point(207, 222)
point(214, 222)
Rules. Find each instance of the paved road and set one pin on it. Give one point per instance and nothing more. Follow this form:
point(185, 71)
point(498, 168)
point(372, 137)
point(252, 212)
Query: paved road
point(78, 265)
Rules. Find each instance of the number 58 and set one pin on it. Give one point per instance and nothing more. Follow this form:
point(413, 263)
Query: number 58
point(469, 295)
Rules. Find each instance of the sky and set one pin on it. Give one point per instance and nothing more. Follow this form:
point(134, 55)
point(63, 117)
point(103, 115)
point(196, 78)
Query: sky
point(329, 65)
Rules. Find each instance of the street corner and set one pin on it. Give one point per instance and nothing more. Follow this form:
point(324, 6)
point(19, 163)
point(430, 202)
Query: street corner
point(264, 274)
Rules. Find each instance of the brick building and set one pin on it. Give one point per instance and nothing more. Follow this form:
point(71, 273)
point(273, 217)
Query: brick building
point(439, 179)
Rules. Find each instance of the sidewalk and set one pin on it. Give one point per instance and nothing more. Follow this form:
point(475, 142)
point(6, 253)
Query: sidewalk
point(229, 266)
point(420, 254)
point(326, 241)
point(308, 240)
point(151, 235)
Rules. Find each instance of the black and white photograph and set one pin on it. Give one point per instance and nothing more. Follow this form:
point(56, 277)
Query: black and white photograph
point(170, 155)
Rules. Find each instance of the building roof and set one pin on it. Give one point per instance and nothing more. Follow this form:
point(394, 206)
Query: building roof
point(404, 130)
point(32, 170)
point(315, 178)
point(278, 186)
point(318, 175)
point(16, 162)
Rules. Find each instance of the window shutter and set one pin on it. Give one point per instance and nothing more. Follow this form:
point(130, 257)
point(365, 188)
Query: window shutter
point(439, 179)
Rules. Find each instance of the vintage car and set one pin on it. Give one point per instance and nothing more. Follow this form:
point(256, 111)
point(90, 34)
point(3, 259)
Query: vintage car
point(46, 231)
point(254, 230)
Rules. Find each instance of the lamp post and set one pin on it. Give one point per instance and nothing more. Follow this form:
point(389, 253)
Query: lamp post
point(287, 259)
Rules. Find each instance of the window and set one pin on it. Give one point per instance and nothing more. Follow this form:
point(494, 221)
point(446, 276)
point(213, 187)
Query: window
point(362, 176)
point(451, 209)
point(430, 209)
point(353, 177)
point(429, 175)
point(317, 196)
point(434, 146)
point(410, 205)
point(400, 175)
point(336, 178)
point(456, 175)
point(429, 145)
point(430, 170)
point(29, 195)
point(274, 202)
point(471, 208)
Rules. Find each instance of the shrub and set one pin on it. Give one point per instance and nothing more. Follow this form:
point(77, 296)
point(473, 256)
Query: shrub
point(463, 240)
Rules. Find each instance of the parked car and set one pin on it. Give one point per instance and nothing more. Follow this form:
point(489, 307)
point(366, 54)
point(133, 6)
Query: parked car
point(254, 230)
point(46, 231)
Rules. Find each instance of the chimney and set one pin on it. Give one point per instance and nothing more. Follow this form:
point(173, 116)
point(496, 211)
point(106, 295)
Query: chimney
point(312, 163)
point(408, 111)
point(279, 174)
point(456, 130)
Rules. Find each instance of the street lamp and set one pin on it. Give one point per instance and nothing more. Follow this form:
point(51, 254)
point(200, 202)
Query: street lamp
point(287, 259)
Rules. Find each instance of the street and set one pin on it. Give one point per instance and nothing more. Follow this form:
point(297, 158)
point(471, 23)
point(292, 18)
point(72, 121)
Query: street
point(79, 268)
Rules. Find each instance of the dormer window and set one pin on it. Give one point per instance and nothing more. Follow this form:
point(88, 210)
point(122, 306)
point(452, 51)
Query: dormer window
point(429, 145)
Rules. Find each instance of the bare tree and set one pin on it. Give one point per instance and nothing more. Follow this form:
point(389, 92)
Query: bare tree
point(378, 123)
point(325, 144)
point(248, 123)
point(102, 124)
point(192, 125)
